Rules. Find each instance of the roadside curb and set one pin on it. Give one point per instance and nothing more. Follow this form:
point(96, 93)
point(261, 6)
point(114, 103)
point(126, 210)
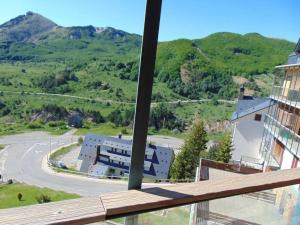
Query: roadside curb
point(48, 169)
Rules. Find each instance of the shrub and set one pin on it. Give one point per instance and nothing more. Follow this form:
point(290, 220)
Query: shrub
point(43, 199)
point(56, 124)
point(124, 131)
point(34, 125)
point(20, 196)
point(9, 181)
point(80, 140)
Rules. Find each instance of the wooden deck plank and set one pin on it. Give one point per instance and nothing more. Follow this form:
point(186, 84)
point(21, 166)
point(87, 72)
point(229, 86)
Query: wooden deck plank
point(77, 211)
point(94, 209)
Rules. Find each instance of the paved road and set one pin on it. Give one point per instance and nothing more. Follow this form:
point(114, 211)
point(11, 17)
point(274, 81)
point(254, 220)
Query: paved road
point(22, 160)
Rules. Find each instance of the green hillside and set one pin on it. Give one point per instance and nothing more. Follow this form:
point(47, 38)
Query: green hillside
point(96, 64)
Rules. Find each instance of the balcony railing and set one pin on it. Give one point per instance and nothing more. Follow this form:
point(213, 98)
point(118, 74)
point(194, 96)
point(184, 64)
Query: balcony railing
point(117, 205)
point(289, 138)
point(289, 96)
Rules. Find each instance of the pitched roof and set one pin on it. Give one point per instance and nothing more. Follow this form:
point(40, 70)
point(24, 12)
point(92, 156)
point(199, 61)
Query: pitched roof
point(249, 105)
point(127, 143)
point(294, 58)
point(297, 48)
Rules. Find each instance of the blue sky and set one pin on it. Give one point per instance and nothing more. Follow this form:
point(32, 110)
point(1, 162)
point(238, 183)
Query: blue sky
point(180, 18)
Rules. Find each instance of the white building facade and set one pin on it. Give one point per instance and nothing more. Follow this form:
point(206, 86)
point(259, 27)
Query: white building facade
point(248, 127)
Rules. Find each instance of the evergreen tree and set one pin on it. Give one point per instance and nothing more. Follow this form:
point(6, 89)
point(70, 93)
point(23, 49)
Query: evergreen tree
point(187, 160)
point(225, 150)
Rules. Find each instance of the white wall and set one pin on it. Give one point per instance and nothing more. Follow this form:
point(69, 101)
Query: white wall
point(247, 135)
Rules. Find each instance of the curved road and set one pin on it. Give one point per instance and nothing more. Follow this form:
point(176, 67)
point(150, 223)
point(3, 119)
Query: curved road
point(23, 156)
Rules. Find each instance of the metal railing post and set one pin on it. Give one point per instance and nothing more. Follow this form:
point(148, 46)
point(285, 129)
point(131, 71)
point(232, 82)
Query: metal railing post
point(144, 92)
point(143, 98)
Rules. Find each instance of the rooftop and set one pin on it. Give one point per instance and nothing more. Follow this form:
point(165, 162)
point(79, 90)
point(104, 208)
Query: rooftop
point(249, 105)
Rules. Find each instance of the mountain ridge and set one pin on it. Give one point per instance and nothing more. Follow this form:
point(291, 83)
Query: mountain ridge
point(192, 68)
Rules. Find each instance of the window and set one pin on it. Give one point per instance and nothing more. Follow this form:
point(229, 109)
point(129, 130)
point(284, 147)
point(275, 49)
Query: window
point(257, 117)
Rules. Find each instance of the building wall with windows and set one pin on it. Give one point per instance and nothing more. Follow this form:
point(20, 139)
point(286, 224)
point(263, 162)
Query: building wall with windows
point(280, 147)
point(282, 123)
point(108, 156)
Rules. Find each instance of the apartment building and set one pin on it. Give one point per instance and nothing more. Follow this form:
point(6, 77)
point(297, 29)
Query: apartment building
point(280, 146)
point(109, 156)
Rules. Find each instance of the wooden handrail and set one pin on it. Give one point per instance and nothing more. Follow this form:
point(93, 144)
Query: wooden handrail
point(234, 168)
point(111, 205)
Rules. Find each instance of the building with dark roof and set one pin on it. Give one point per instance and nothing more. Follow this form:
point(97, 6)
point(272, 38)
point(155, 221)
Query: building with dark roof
point(109, 156)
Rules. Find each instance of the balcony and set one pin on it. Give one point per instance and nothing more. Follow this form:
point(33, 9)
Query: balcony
point(287, 96)
point(289, 138)
point(261, 198)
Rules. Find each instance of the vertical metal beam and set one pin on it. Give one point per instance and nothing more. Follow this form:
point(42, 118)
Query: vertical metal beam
point(144, 92)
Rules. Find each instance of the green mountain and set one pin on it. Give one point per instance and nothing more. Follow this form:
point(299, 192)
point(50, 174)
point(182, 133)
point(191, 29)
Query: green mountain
point(51, 74)
point(193, 69)
point(25, 28)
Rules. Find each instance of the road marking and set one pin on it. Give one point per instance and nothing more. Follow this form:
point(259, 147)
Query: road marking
point(3, 159)
point(28, 150)
point(43, 144)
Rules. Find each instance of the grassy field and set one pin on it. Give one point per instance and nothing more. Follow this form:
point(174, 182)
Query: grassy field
point(9, 192)
point(104, 129)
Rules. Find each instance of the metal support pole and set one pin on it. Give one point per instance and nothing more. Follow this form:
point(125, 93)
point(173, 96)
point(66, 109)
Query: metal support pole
point(143, 98)
point(144, 92)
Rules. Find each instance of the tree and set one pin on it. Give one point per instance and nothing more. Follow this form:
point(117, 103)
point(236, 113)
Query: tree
point(115, 117)
point(162, 116)
point(187, 160)
point(225, 149)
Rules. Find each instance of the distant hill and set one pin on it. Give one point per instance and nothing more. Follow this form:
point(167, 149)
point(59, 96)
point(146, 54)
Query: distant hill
point(194, 69)
point(207, 65)
point(25, 28)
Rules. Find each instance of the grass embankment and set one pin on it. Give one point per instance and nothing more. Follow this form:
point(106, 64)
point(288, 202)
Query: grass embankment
point(61, 152)
point(9, 192)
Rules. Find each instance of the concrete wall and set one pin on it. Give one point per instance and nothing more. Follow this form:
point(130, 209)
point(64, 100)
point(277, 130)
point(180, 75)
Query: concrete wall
point(247, 136)
point(287, 160)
